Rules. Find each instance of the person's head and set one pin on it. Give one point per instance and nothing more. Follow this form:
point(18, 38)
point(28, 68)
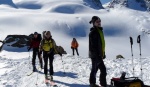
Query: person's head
point(74, 39)
point(35, 34)
point(96, 21)
point(48, 34)
point(44, 34)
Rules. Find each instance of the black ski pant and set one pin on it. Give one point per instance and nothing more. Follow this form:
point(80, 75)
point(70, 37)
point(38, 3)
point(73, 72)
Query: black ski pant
point(98, 64)
point(36, 52)
point(48, 58)
point(76, 51)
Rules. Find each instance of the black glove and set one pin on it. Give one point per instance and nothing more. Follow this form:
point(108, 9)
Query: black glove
point(60, 54)
point(29, 48)
point(104, 56)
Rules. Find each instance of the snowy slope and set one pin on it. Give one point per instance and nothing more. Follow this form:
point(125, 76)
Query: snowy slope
point(77, 70)
point(32, 15)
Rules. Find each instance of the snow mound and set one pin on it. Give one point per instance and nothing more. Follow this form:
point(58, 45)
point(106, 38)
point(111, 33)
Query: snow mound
point(70, 8)
point(34, 4)
point(29, 5)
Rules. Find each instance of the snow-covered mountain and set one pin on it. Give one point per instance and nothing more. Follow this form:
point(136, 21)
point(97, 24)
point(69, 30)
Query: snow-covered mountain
point(133, 4)
point(67, 19)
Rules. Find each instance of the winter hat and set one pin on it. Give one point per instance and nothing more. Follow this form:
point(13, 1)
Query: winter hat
point(35, 33)
point(48, 33)
point(94, 18)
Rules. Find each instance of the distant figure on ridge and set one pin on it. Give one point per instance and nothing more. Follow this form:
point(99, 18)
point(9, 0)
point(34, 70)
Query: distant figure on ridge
point(74, 46)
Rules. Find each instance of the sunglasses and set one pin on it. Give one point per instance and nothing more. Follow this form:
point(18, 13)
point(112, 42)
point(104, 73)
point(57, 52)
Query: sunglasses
point(98, 21)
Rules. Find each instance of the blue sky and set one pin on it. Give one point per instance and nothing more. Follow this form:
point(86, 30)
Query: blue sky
point(104, 1)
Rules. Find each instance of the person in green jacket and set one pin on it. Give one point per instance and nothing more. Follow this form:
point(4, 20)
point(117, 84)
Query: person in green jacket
point(97, 52)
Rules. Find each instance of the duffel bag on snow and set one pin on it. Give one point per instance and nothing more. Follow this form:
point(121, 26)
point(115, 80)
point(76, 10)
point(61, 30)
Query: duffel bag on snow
point(127, 82)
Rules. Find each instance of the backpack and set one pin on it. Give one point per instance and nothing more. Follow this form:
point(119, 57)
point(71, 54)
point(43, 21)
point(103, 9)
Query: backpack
point(39, 37)
point(31, 36)
point(127, 82)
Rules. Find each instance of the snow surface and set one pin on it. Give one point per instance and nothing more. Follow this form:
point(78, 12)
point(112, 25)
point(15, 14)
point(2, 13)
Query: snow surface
point(32, 15)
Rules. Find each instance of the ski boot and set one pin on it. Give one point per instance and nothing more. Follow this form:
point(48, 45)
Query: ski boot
point(94, 85)
point(50, 77)
point(34, 69)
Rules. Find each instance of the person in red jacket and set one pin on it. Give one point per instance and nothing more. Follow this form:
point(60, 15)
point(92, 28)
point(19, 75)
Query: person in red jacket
point(35, 42)
point(74, 46)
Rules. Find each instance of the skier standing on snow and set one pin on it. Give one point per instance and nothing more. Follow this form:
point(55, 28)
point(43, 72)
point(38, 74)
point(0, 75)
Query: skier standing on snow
point(97, 52)
point(48, 46)
point(74, 46)
point(35, 42)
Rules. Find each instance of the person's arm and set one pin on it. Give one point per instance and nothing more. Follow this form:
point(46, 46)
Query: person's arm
point(55, 50)
point(77, 44)
point(31, 44)
point(41, 45)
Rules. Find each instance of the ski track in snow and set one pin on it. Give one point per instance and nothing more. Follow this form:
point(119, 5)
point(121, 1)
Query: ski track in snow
point(77, 71)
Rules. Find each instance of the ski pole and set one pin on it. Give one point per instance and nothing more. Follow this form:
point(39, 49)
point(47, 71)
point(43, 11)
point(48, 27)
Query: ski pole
point(63, 64)
point(131, 42)
point(139, 41)
point(29, 59)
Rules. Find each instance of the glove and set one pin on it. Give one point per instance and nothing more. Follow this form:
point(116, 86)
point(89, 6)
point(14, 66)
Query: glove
point(29, 48)
point(60, 54)
point(104, 56)
point(71, 47)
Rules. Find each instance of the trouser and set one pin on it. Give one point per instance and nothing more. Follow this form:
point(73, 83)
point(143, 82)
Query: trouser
point(36, 52)
point(76, 51)
point(98, 64)
point(48, 58)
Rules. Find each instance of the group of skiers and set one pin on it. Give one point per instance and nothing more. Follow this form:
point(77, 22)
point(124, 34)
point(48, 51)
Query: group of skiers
point(47, 46)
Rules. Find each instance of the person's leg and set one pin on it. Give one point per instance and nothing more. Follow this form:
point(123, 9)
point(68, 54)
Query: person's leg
point(40, 60)
point(94, 70)
point(73, 51)
point(103, 74)
point(77, 51)
point(33, 59)
point(45, 56)
point(51, 58)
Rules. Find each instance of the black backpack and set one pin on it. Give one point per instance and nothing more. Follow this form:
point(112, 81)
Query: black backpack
point(31, 36)
point(39, 37)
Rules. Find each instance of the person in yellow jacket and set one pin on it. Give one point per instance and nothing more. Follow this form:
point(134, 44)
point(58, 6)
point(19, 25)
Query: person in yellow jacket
point(74, 46)
point(48, 46)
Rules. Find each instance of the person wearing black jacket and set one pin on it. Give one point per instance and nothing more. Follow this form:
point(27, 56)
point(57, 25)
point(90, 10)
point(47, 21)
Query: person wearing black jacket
point(97, 52)
point(35, 42)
